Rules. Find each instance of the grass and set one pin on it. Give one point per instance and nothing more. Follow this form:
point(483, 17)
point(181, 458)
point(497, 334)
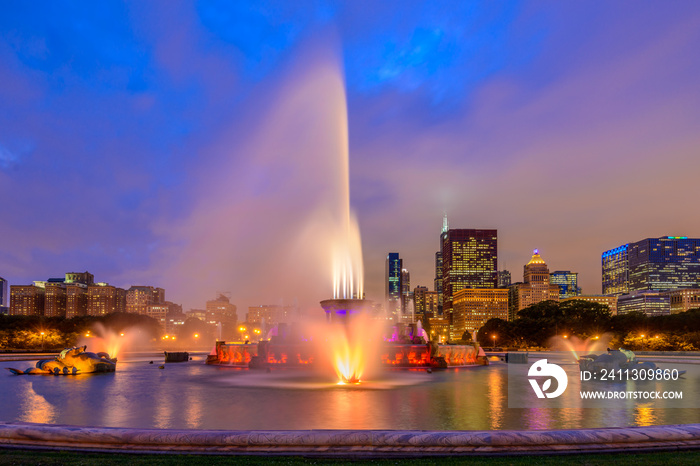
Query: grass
point(22, 457)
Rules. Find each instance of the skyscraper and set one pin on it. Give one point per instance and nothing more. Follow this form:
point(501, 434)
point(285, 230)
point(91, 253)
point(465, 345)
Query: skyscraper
point(392, 282)
point(406, 295)
point(615, 271)
point(469, 260)
point(567, 282)
point(438, 278)
point(536, 288)
point(438, 263)
point(665, 263)
point(503, 279)
point(3, 292)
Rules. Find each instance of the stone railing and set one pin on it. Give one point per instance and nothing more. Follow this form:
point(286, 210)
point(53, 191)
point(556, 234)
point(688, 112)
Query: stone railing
point(350, 442)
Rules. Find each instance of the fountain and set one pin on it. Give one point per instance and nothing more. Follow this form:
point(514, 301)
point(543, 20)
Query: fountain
point(72, 361)
point(349, 341)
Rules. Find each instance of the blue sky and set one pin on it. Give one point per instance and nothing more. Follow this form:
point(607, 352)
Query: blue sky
point(569, 126)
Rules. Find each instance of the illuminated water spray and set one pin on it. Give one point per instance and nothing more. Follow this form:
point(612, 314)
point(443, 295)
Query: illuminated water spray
point(348, 273)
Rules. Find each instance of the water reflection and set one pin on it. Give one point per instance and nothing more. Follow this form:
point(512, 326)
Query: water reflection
point(35, 407)
point(191, 395)
point(644, 415)
point(496, 389)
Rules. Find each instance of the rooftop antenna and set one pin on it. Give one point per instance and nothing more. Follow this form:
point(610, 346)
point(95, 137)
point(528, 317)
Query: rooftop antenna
point(445, 223)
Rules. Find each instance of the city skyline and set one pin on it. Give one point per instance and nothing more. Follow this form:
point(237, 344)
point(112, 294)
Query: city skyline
point(175, 152)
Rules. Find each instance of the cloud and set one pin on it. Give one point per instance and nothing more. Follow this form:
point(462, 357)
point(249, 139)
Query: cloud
point(7, 158)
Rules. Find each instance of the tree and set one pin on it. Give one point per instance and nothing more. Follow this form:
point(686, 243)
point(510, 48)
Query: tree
point(466, 337)
point(502, 329)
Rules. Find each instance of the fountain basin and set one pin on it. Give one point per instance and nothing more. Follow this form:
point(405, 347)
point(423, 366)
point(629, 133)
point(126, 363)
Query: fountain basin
point(374, 443)
point(266, 354)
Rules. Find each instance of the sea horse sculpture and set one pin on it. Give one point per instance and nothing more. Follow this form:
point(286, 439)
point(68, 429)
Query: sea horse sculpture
point(72, 361)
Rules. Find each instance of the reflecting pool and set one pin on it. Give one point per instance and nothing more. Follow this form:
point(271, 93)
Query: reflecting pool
point(193, 395)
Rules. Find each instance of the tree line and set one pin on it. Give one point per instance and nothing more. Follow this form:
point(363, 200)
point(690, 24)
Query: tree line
point(37, 332)
point(535, 326)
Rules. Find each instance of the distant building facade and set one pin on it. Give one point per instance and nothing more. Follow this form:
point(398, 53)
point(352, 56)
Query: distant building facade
point(425, 302)
point(221, 309)
point(103, 298)
point(651, 303)
point(567, 282)
point(85, 278)
point(27, 300)
point(138, 298)
point(469, 260)
point(55, 299)
point(76, 300)
point(683, 299)
point(159, 312)
point(473, 307)
point(272, 315)
point(439, 329)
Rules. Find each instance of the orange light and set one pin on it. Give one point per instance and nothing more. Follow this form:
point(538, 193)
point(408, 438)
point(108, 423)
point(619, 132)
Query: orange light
point(566, 336)
point(121, 334)
point(196, 335)
point(87, 334)
point(246, 337)
point(42, 333)
point(642, 336)
point(173, 338)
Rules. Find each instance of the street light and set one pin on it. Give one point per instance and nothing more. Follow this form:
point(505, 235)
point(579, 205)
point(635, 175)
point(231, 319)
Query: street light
point(494, 341)
point(196, 335)
point(42, 341)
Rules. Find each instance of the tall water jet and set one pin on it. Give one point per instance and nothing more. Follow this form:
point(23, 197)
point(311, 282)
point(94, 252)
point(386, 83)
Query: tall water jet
point(347, 347)
point(348, 273)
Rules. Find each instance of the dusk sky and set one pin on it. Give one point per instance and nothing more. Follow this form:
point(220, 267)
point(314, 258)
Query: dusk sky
point(191, 146)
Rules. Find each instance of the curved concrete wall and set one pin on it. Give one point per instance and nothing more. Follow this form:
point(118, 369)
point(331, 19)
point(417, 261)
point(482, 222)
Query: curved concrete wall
point(349, 442)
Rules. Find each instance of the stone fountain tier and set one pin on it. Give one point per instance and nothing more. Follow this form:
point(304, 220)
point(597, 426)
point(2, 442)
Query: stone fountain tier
point(338, 310)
